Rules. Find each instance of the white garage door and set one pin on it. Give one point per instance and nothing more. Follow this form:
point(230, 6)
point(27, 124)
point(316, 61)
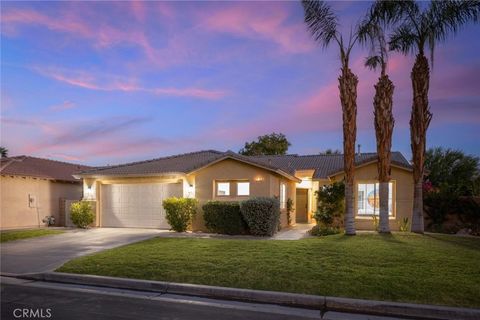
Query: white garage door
point(137, 205)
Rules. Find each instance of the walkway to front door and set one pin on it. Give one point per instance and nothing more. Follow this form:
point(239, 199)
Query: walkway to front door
point(296, 232)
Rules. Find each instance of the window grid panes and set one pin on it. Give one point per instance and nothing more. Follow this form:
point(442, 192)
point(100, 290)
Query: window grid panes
point(368, 202)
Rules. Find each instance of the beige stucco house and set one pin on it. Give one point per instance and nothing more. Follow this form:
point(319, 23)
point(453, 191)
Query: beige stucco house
point(131, 195)
point(32, 188)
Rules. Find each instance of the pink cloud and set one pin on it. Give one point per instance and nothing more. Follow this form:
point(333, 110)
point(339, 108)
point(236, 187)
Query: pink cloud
point(102, 36)
point(14, 17)
point(63, 106)
point(257, 22)
point(111, 83)
point(64, 157)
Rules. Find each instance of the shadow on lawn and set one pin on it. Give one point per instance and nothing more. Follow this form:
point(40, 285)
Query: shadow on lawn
point(387, 237)
point(465, 242)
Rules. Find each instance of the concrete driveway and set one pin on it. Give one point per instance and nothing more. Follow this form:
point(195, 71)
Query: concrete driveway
point(48, 253)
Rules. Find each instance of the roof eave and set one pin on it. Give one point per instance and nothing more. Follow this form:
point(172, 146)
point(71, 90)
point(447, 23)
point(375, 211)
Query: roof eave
point(410, 169)
point(128, 175)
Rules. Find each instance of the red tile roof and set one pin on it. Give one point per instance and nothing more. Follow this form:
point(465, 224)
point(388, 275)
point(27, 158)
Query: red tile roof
point(40, 168)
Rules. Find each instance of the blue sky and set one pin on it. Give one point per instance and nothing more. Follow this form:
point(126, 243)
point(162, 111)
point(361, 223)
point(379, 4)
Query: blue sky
point(110, 82)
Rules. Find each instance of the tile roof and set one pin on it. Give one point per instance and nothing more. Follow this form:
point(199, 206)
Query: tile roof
point(181, 163)
point(327, 164)
point(40, 168)
point(324, 165)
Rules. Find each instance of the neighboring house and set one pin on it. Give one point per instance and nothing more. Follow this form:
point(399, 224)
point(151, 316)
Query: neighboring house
point(32, 188)
point(131, 195)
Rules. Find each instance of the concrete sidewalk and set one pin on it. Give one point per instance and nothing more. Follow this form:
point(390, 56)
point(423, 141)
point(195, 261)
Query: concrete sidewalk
point(296, 232)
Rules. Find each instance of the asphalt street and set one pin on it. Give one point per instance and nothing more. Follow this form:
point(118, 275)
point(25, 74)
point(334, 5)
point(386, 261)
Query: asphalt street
point(45, 300)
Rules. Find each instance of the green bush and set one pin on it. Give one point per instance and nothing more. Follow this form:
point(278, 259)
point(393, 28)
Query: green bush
point(180, 212)
point(290, 210)
point(262, 215)
point(320, 230)
point(224, 217)
point(331, 205)
point(81, 213)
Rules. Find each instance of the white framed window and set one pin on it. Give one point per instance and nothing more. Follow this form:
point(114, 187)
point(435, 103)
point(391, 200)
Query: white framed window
point(283, 196)
point(243, 188)
point(368, 199)
point(223, 188)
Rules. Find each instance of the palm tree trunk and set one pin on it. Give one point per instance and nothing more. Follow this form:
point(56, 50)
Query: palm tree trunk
point(384, 122)
point(348, 98)
point(419, 122)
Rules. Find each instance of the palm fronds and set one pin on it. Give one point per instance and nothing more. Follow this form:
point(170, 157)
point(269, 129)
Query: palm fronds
point(321, 21)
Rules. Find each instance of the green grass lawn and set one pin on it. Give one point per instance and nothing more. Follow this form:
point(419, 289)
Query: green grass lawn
point(431, 269)
point(6, 236)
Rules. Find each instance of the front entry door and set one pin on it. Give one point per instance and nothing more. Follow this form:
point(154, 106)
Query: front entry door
point(302, 206)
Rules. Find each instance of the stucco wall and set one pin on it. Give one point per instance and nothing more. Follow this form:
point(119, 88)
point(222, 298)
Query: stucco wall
point(403, 190)
point(14, 194)
point(263, 183)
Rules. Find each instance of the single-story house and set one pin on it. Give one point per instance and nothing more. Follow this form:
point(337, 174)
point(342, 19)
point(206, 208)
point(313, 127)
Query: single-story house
point(131, 194)
point(33, 188)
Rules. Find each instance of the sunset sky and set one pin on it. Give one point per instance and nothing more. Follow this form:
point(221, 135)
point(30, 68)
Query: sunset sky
point(110, 82)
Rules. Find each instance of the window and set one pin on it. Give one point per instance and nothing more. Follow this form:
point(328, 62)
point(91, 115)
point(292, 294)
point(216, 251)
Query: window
point(283, 196)
point(243, 188)
point(223, 188)
point(368, 202)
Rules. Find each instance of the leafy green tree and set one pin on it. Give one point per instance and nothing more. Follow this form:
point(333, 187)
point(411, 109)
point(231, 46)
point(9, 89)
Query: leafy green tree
point(3, 152)
point(331, 151)
point(269, 144)
point(416, 28)
point(452, 171)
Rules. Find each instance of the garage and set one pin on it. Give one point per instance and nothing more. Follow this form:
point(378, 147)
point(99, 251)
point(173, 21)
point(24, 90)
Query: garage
point(136, 205)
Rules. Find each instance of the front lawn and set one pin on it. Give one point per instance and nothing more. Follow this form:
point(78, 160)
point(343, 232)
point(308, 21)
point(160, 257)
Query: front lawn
point(6, 236)
point(431, 269)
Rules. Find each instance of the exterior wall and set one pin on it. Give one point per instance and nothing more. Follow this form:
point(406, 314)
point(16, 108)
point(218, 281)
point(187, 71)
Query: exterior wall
point(15, 209)
point(403, 194)
point(263, 183)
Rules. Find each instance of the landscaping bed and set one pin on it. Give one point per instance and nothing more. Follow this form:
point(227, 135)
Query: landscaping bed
point(429, 269)
point(6, 236)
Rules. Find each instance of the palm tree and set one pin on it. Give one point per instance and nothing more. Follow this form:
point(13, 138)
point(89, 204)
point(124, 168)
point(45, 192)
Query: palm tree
point(417, 28)
point(371, 31)
point(3, 152)
point(323, 24)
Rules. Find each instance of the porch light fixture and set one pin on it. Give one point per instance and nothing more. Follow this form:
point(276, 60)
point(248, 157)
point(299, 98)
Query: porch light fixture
point(258, 178)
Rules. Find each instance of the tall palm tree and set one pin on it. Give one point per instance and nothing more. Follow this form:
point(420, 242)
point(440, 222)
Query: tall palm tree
point(323, 24)
point(417, 28)
point(372, 32)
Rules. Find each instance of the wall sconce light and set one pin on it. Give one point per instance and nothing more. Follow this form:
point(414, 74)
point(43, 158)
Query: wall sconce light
point(258, 178)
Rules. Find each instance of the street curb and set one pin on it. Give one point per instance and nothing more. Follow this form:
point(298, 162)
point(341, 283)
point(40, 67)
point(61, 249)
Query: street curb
point(322, 303)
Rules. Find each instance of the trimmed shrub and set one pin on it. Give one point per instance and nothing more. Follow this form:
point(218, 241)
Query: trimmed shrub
point(180, 212)
point(224, 217)
point(262, 215)
point(331, 205)
point(320, 230)
point(81, 213)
